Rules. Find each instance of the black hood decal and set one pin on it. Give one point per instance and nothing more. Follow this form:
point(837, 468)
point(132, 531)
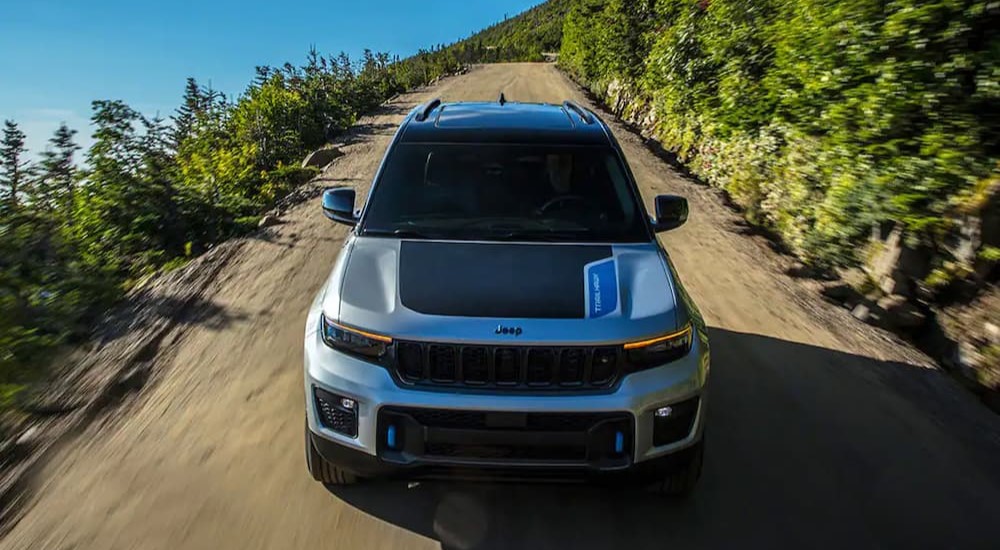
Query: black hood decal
point(496, 280)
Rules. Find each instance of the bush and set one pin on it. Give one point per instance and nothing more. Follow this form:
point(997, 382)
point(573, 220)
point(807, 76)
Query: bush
point(822, 118)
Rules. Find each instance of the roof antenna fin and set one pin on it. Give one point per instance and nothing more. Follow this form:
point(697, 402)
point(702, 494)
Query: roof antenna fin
point(502, 100)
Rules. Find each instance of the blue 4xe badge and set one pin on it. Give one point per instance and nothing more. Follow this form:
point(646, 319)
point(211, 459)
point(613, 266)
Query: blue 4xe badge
point(601, 286)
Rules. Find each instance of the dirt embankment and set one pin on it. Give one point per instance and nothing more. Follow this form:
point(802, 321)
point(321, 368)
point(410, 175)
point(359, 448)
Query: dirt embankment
point(824, 432)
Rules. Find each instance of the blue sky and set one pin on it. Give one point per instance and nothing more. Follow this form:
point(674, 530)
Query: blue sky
point(58, 55)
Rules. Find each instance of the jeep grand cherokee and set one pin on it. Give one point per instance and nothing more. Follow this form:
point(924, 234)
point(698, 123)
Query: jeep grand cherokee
point(502, 307)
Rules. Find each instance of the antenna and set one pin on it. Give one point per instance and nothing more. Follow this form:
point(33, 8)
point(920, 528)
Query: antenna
point(502, 100)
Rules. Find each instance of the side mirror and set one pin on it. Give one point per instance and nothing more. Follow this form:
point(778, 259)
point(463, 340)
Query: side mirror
point(671, 212)
point(338, 205)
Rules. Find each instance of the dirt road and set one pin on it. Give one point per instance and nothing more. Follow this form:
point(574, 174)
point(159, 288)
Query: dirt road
point(824, 432)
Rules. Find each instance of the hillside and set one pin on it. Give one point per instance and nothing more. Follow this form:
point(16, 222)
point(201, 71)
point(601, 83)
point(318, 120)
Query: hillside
point(526, 36)
point(523, 37)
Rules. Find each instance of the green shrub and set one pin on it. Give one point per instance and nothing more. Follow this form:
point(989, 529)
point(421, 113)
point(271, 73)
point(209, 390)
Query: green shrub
point(821, 118)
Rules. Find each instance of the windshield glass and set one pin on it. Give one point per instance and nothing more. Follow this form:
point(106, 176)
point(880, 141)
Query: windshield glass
point(505, 192)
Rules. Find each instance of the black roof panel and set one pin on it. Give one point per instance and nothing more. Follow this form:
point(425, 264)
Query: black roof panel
point(507, 123)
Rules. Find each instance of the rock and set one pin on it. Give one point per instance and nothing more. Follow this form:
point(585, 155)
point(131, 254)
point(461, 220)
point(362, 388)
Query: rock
point(992, 333)
point(28, 438)
point(132, 379)
point(322, 157)
point(900, 312)
point(840, 292)
point(989, 216)
point(268, 221)
point(896, 283)
point(895, 265)
point(975, 226)
point(968, 359)
point(862, 312)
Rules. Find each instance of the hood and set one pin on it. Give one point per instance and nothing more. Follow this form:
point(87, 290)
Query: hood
point(469, 292)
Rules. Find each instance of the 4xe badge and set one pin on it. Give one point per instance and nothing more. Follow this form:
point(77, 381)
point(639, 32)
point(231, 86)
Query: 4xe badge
point(514, 331)
point(601, 288)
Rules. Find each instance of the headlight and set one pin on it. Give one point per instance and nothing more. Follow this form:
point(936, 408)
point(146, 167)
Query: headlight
point(660, 350)
point(354, 341)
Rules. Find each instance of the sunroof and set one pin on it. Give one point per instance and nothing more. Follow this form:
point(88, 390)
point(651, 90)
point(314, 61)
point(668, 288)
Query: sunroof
point(511, 115)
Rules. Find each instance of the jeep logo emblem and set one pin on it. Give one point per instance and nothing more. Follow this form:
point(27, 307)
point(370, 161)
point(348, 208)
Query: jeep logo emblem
point(514, 331)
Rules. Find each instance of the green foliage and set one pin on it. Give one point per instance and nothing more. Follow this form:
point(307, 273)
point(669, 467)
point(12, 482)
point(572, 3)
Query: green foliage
point(821, 117)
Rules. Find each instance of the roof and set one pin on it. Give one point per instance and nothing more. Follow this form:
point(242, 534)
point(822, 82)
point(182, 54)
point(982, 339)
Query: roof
point(506, 122)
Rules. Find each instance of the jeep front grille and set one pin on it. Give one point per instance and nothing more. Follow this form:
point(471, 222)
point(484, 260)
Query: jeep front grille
point(523, 368)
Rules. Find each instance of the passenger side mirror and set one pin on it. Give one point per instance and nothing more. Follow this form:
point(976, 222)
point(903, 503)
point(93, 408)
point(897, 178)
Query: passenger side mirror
point(338, 205)
point(671, 212)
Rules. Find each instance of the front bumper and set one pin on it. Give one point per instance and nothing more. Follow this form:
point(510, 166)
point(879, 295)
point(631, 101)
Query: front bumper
point(375, 391)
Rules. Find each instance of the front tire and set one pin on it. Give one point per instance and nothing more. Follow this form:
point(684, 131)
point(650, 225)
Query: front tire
point(324, 472)
point(682, 481)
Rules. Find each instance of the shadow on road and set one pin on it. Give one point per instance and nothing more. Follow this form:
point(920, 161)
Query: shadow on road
point(808, 447)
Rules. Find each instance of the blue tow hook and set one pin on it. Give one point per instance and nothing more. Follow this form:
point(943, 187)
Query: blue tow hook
point(390, 437)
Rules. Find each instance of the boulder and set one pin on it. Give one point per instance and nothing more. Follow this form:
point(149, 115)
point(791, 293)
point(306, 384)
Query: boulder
point(977, 224)
point(840, 293)
point(989, 216)
point(322, 157)
point(896, 283)
point(968, 359)
point(29, 438)
point(268, 221)
point(992, 333)
point(895, 265)
point(862, 312)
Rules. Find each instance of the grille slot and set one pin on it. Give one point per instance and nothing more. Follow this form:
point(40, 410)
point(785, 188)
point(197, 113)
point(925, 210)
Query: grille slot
point(596, 439)
point(525, 368)
point(442, 363)
point(475, 366)
point(506, 452)
point(540, 363)
point(410, 360)
point(604, 365)
point(507, 363)
point(571, 366)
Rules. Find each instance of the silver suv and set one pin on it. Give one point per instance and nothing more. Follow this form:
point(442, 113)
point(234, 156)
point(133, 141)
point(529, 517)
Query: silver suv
point(502, 308)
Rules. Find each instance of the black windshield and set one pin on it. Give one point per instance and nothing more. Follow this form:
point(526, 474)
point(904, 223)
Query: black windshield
point(505, 192)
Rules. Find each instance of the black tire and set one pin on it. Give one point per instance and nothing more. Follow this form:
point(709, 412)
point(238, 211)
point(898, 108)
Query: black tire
point(681, 482)
point(324, 472)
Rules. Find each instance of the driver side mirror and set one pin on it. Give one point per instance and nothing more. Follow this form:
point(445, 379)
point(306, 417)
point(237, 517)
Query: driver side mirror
point(338, 205)
point(671, 212)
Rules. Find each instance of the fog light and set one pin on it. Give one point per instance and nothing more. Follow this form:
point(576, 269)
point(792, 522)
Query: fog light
point(337, 413)
point(674, 422)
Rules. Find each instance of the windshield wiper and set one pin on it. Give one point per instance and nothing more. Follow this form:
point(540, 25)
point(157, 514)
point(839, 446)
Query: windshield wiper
point(551, 235)
point(401, 233)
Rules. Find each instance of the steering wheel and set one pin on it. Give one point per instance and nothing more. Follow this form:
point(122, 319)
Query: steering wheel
point(560, 200)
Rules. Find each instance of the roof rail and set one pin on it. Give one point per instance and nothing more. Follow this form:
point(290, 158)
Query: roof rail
point(584, 114)
point(426, 111)
point(502, 100)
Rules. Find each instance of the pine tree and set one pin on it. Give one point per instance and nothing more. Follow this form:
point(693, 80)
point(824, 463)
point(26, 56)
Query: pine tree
point(194, 104)
point(130, 220)
point(12, 167)
point(56, 175)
